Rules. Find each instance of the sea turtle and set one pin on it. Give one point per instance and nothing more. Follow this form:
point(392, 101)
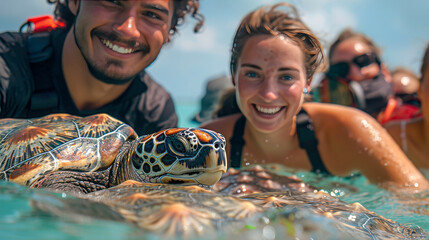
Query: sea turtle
point(73, 154)
point(252, 203)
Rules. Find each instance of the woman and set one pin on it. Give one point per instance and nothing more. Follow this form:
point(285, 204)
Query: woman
point(274, 57)
point(413, 135)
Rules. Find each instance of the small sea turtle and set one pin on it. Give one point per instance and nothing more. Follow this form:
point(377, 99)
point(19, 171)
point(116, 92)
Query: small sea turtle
point(245, 204)
point(73, 154)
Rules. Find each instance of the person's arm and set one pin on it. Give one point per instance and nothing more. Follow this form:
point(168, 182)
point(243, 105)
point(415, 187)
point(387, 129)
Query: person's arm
point(352, 140)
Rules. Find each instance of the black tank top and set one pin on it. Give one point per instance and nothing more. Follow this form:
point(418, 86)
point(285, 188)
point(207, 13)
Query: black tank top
point(306, 136)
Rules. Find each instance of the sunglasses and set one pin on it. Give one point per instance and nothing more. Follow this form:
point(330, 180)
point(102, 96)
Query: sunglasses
point(341, 69)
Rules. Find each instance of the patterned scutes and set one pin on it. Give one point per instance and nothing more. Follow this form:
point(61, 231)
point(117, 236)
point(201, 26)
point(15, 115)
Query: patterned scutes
point(160, 150)
point(48, 141)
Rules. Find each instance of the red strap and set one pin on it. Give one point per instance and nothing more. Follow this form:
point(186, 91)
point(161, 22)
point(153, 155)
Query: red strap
point(387, 114)
point(44, 23)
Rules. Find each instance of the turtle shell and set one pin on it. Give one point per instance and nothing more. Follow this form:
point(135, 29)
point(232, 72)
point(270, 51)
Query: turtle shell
point(34, 147)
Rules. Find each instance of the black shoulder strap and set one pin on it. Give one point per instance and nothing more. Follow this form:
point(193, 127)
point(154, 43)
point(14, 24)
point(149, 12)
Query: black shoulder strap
point(308, 141)
point(40, 51)
point(237, 142)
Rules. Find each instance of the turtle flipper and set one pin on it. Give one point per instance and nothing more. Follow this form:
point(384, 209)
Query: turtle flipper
point(73, 182)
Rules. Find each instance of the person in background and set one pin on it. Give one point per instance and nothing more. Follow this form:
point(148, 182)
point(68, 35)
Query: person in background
point(405, 83)
point(227, 104)
point(405, 103)
point(274, 57)
point(413, 135)
point(356, 76)
point(92, 59)
point(214, 90)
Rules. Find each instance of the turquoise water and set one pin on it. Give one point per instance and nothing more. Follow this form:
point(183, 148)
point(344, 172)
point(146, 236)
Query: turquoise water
point(18, 220)
point(185, 111)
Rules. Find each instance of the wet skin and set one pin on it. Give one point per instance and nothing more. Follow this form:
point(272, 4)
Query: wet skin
point(270, 79)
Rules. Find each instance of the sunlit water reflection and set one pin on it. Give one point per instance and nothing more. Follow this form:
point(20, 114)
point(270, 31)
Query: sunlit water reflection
point(18, 220)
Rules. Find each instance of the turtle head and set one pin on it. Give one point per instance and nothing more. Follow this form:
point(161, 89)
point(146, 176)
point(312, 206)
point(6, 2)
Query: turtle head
point(181, 156)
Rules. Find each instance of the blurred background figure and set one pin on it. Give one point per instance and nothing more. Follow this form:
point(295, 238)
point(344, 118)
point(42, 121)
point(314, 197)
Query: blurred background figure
point(214, 90)
point(413, 135)
point(356, 76)
point(405, 82)
point(405, 104)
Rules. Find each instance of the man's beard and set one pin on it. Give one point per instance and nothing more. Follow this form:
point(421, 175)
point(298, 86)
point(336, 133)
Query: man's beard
point(101, 75)
point(99, 72)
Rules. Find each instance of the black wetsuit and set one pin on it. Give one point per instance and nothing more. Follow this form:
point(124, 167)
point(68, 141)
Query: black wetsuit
point(307, 141)
point(32, 88)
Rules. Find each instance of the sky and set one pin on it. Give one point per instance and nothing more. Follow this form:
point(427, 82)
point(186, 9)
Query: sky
point(185, 64)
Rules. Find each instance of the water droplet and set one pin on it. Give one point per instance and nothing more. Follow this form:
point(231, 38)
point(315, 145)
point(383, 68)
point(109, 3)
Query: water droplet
point(266, 141)
point(385, 164)
point(352, 218)
point(269, 232)
point(247, 164)
point(266, 220)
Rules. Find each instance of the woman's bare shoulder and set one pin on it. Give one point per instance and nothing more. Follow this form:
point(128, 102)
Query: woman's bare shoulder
point(335, 115)
point(351, 140)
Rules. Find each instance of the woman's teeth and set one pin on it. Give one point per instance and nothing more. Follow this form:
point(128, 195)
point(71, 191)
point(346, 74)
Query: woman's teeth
point(116, 48)
point(267, 110)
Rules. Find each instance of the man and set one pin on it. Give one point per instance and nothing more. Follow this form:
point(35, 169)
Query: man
point(95, 64)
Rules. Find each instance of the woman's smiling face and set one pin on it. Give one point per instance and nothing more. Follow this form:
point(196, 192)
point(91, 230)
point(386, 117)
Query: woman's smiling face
point(270, 79)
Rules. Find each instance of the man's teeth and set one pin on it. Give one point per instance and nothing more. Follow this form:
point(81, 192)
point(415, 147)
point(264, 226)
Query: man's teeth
point(116, 48)
point(268, 110)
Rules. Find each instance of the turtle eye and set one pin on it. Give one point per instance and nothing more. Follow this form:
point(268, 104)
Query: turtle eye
point(179, 146)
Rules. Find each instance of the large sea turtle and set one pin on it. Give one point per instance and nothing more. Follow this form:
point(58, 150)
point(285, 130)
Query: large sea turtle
point(124, 179)
point(68, 153)
point(246, 204)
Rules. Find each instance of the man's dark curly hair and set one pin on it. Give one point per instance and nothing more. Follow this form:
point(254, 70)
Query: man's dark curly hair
point(181, 9)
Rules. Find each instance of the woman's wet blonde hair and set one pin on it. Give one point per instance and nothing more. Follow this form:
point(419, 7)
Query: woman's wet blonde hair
point(279, 19)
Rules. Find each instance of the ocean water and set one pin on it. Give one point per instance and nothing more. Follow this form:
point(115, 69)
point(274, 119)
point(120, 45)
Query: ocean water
point(186, 110)
point(19, 220)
